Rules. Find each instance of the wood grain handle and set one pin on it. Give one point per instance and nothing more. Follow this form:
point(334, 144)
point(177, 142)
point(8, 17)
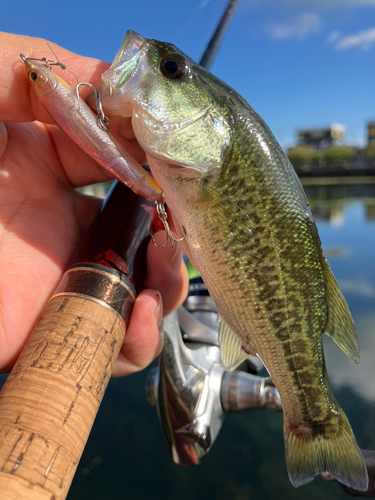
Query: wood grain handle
point(50, 399)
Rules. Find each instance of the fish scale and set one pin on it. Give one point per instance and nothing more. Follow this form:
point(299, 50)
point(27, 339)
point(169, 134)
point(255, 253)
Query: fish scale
point(251, 235)
point(253, 256)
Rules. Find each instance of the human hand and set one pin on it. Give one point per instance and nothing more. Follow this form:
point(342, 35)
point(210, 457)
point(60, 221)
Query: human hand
point(43, 217)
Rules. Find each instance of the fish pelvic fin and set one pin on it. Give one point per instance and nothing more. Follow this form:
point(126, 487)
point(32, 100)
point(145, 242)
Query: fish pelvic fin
point(340, 326)
point(332, 449)
point(231, 350)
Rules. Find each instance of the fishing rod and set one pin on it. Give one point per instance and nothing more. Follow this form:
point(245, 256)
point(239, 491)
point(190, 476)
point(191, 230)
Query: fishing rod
point(49, 402)
point(218, 35)
point(50, 399)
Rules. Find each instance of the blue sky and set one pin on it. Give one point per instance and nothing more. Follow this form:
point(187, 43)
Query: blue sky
point(299, 63)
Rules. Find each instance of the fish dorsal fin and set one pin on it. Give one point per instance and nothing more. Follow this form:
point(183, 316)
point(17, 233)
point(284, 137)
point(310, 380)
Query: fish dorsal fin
point(231, 350)
point(339, 327)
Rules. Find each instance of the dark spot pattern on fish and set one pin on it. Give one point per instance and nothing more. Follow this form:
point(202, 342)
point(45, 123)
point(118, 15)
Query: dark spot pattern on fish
point(257, 237)
point(284, 302)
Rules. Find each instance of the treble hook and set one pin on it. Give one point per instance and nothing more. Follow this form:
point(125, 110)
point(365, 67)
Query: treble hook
point(101, 119)
point(162, 214)
point(47, 62)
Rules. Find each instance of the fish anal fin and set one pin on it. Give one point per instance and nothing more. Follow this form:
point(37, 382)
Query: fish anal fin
point(308, 454)
point(339, 327)
point(232, 352)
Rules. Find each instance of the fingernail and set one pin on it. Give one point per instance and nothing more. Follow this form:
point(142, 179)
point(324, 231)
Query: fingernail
point(176, 259)
point(159, 318)
point(327, 476)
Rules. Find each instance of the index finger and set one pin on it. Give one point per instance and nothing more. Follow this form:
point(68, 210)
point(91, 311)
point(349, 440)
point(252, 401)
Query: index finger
point(17, 101)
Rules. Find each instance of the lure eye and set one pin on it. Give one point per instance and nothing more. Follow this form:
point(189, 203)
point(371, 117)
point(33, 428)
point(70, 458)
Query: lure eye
point(173, 66)
point(33, 75)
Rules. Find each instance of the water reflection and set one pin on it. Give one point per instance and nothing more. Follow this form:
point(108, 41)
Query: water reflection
point(345, 216)
point(329, 201)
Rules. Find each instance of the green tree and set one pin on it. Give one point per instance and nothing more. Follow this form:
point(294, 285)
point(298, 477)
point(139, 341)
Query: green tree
point(338, 156)
point(303, 157)
point(370, 151)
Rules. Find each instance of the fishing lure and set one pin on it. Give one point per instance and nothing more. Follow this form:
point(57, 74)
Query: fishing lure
point(78, 121)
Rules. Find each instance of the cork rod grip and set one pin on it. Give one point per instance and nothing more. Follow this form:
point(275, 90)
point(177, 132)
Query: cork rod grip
point(50, 399)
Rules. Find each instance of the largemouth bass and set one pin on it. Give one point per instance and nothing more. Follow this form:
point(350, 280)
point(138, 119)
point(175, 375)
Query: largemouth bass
point(251, 235)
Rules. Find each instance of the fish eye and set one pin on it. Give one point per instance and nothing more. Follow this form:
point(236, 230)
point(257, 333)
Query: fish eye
point(173, 66)
point(33, 75)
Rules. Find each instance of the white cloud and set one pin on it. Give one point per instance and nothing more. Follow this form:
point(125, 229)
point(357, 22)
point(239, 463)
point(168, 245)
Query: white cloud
point(203, 4)
point(363, 39)
point(344, 3)
point(301, 27)
point(335, 35)
point(327, 4)
point(361, 288)
point(311, 5)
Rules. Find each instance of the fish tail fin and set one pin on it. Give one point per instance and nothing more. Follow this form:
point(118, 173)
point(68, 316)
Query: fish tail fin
point(333, 449)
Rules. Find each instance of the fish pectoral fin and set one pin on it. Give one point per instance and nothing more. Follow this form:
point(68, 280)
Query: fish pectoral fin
point(236, 219)
point(340, 326)
point(232, 353)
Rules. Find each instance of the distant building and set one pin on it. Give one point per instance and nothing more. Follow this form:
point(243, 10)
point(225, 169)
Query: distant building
point(371, 132)
point(320, 138)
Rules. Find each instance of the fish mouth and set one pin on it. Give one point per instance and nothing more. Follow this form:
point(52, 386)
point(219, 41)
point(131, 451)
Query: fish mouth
point(122, 69)
point(132, 42)
point(157, 133)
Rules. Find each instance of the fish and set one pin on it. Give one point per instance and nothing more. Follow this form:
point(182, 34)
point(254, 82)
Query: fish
point(79, 122)
point(251, 235)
